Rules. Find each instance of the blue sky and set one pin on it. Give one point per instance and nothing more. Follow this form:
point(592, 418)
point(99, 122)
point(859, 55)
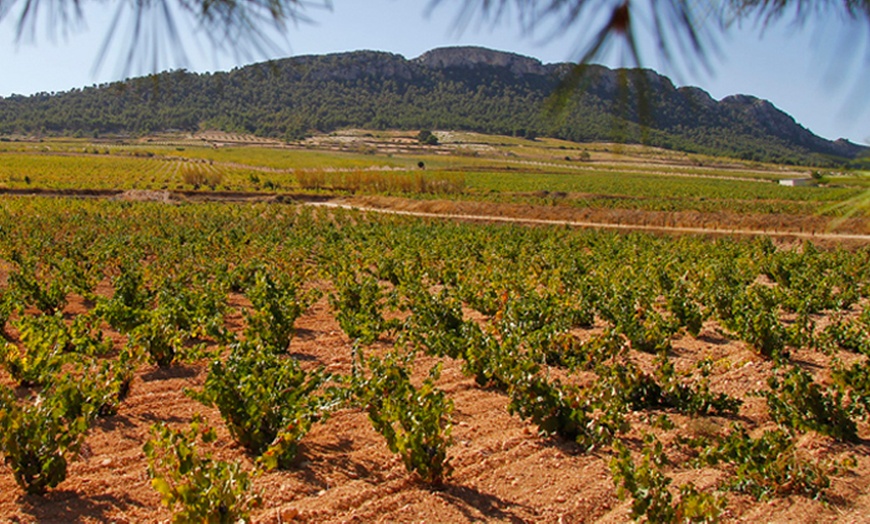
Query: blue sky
point(780, 63)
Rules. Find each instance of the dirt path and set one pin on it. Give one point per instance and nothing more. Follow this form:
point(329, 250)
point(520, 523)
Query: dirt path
point(603, 225)
point(621, 220)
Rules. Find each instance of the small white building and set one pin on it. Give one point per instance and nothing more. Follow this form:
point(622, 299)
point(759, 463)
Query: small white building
point(797, 182)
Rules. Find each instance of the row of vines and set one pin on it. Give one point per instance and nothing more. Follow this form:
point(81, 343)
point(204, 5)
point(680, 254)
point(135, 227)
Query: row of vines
point(577, 330)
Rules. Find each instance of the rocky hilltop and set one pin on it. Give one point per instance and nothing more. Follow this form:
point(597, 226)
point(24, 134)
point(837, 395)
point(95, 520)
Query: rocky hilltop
point(462, 88)
point(470, 57)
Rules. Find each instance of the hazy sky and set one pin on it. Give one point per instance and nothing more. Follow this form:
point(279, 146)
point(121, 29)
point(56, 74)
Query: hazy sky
point(793, 67)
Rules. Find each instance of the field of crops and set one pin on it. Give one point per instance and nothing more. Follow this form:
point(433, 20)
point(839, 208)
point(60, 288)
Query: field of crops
point(465, 167)
point(286, 362)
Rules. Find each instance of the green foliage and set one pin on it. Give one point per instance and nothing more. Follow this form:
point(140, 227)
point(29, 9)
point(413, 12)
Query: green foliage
point(648, 488)
point(85, 337)
point(667, 389)
point(810, 281)
point(767, 466)
point(686, 311)
point(692, 397)
point(855, 381)
point(192, 307)
point(756, 321)
point(802, 332)
point(533, 281)
point(39, 438)
point(568, 350)
point(95, 387)
point(414, 421)
point(158, 338)
point(128, 307)
point(628, 385)
point(797, 401)
point(722, 286)
point(426, 137)
point(7, 306)
point(591, 419)
point(168, 330)
point(79, 272)
point(43, 339)
point(195, 486)
point(496, 362)
point(358, 304)
point(537, 317)
point(46, 293)
point(853, 336)
point(629, 311)
point(266, 400)
point(594, 416)
point(436, 324)
point(482, 292)
point(277, 303)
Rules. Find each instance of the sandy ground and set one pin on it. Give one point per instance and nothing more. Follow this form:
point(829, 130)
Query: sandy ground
point(503, 470)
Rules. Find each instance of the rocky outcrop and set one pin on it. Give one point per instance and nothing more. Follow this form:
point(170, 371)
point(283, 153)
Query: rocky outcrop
point(469, 57)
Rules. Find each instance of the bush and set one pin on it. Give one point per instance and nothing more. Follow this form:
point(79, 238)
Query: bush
point(766, 466)
point(206, 490)
point(158, 338)
point(414, 421)
point(128, 307)
point(851, 336)
point(47, 294)
point(358, 304)
point(38, 439)
point(756, 321)
point(43, 339)
point(630, 314)
point(648, 488)
point(686, 312)
point(436, 324)
point(7, 307)
point(695, 399)
point(95, 389)
point(795, 400)
point(426, 137)
point(277, 303)
point(855, 381)
point(193, 308)
point(589, 417)
point(266, 401)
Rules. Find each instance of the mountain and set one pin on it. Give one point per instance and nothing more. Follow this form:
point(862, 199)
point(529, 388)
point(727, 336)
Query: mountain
point(461, 88)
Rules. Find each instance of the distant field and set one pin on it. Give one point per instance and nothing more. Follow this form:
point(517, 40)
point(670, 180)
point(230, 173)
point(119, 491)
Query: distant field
point(463, 167)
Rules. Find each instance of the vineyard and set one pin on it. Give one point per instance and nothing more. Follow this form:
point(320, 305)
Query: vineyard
point(281, 362)
point(189, 338)
point(466, 167)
